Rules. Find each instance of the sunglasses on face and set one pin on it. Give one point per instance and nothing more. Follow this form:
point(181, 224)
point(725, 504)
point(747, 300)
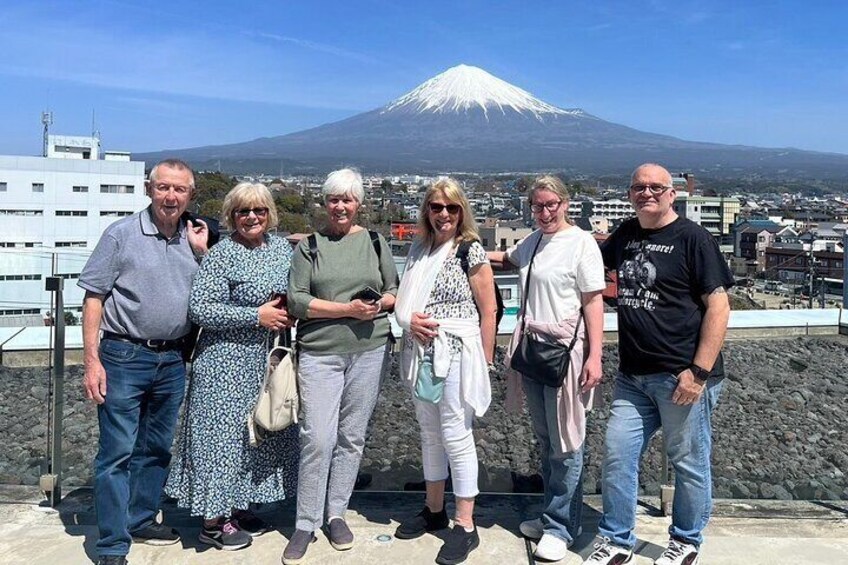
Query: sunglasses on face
point(245, 212)
point(437, 208)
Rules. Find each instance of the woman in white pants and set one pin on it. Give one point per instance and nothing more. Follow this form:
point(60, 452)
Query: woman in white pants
point(446, 306)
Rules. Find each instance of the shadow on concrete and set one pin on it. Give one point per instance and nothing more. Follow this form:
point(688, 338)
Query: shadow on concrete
point(76, 512)
point(832, 505)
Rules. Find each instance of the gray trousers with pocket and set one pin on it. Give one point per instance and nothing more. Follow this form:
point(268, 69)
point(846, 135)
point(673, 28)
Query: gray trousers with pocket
point(338, 393)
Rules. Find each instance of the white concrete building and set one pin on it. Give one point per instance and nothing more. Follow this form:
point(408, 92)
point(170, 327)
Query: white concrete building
point(52, 213)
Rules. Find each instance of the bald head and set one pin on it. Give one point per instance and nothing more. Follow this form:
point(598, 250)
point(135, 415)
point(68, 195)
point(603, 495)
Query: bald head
point(652, 195)
point(653, 171)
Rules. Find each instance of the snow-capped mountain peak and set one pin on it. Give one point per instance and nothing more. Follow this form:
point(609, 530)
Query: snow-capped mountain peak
point(464, 87)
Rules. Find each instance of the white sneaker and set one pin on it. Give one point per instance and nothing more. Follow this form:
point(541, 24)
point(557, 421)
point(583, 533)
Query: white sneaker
point(551, 548)
point(532, 529)
point(678, 553)
point(608, 554)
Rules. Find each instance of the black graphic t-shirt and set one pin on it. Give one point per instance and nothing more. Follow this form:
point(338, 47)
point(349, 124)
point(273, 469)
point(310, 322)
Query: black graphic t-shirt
point(662, 275)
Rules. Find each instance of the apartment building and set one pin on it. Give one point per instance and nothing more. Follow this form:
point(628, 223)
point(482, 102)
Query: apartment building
point(52, 212)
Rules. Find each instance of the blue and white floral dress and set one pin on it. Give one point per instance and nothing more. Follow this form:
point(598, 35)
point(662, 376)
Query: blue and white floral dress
point(215, 469)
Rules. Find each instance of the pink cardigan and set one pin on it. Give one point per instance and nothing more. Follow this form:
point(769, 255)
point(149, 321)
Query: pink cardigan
point(572, 405)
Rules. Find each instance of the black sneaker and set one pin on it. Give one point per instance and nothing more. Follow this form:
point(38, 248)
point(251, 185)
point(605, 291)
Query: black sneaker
point(423, 522)
point(296, 548)
point(363, 481)
point(250, 524)
point(457, 546)
point(156, 534)
point(112, 560)
point(224, 535)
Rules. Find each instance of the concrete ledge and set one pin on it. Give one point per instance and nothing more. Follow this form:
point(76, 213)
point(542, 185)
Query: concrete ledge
point(741, 531)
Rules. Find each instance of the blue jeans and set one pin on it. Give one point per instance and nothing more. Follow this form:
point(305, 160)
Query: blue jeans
point(562, 472)
point(144, 389)
point(641, 405)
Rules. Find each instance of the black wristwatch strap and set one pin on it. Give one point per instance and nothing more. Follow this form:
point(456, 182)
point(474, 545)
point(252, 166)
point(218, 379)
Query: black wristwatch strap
point(699, 372)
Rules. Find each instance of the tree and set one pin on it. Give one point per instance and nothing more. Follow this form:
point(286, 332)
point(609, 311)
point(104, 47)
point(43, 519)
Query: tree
point(70, 318)
point(386, 186)
point(293, 223)
point(290, 203)
point(211, 208)
point(523, 184)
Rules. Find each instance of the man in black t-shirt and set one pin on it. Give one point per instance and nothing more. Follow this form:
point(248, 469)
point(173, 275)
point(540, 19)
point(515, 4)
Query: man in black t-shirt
point(672, 318)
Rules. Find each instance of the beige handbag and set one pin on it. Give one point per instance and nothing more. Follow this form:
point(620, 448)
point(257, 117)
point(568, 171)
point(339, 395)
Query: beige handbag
point(278, 401)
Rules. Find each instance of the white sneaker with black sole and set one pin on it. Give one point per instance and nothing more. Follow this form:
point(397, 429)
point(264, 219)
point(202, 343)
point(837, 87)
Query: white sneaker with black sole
point(224, 535)
point(678, 553)
point(608, 554)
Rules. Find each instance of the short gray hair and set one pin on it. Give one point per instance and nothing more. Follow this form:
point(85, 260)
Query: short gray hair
point(171, 163)
point(344, 182)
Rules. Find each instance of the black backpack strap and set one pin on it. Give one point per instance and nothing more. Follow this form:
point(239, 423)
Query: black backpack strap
point(462, 255)
point(313, 248)
point(375, 241)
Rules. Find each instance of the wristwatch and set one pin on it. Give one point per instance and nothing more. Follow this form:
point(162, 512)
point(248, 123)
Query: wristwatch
point(701, 375)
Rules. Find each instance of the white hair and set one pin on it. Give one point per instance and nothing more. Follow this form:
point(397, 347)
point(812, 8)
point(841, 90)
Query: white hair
point(344, 182)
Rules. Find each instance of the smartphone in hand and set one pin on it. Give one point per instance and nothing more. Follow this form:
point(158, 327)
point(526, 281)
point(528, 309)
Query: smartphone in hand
point(367, 294)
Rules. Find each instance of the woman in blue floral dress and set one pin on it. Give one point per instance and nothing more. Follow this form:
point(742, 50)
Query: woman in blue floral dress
point(216, 473)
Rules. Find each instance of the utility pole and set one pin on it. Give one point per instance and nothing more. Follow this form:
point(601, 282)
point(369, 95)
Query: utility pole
point(812, 261)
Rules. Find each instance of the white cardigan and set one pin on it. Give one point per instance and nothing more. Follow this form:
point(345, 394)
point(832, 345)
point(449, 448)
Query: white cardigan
point(474, 372)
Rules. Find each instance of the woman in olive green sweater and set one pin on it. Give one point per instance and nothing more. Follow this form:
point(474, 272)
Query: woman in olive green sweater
point(343, 352)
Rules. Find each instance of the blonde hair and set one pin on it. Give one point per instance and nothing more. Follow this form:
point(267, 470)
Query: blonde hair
point(248, 194)
point(551, 184)
point(452, 191)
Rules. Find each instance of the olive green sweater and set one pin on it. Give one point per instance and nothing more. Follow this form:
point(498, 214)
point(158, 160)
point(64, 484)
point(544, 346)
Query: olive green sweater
point(344, 266)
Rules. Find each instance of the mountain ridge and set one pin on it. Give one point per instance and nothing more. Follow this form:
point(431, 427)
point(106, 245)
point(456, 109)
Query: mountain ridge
point(467, 119)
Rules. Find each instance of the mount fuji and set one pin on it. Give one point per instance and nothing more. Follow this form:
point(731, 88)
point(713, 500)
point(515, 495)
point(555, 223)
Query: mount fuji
point(466, 119)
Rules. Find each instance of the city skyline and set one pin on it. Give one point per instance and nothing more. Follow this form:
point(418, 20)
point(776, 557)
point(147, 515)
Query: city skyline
point(212, 73)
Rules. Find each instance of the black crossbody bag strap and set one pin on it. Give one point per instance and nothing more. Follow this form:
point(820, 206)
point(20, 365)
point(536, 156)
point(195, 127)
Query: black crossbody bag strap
point(527, 282)
point(527, 292)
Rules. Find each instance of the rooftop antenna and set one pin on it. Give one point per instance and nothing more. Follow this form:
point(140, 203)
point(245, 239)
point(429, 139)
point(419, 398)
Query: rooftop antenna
point(47, 120)
point(95, 133)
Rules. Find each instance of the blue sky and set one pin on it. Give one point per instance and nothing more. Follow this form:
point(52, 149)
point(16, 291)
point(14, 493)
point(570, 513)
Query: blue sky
point(190, 73)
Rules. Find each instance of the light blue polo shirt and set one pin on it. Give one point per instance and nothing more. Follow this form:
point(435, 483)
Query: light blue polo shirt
point(145, 277)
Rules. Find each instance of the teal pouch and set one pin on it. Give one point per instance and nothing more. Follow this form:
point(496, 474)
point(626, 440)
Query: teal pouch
point(428, 387)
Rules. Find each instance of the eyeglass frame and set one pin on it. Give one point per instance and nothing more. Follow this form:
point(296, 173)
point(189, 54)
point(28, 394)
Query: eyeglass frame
point(259, 212)
point(537, 208)
point(653, 189)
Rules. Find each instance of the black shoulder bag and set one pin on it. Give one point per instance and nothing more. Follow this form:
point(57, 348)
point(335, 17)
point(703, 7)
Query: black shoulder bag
point(544, 362)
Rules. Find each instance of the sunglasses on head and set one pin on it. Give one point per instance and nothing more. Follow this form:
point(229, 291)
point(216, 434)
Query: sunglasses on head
point(437, 208)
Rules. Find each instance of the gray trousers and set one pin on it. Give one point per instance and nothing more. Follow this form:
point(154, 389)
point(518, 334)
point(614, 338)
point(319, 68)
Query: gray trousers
point(337, 396)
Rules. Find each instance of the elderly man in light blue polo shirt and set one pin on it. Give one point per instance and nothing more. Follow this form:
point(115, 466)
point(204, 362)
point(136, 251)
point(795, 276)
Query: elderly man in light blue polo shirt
point(135, 322)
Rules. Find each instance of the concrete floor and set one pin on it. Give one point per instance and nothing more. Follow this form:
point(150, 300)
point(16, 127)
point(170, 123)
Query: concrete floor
point(741, 532)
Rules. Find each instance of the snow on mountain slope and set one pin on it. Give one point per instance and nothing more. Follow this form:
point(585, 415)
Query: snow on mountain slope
point(464, 87)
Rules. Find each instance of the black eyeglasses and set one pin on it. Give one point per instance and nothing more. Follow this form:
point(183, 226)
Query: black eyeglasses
point(437, 208)
point(655, 189)
point(551, 206)
point(245, 212)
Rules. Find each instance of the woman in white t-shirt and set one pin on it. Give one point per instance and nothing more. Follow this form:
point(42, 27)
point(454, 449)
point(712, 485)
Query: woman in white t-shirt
point(567, 277)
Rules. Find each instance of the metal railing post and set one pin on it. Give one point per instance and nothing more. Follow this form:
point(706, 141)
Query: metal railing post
point(666, 489)
point(51, 482)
